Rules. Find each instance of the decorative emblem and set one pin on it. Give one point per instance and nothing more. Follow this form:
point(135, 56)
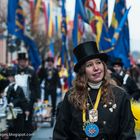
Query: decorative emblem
point(105, 105)
point(91, 130)
point(93, 115)
point(111, 106)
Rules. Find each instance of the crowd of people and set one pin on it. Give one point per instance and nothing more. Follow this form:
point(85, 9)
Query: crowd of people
point(97, 105)
point(22, 87)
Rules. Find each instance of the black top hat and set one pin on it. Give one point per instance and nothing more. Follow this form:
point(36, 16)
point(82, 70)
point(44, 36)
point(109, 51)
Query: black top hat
point(22, 56)
point(86, 51)
point(50, 59)
point(117, 61)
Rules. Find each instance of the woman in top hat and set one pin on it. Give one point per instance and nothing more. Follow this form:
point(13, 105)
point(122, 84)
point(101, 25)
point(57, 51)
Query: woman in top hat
point(94, 108)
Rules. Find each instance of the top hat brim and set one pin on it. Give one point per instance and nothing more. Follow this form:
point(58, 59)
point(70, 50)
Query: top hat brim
point(22, 58)
point(117, 63)
point(101, 56)
point(50, 59)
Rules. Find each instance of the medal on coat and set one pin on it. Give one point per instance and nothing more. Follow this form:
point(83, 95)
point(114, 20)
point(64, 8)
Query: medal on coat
point(93, 115)
point(91, 130)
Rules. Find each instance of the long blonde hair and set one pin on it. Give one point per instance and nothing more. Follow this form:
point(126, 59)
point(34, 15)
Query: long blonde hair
point(80, 92)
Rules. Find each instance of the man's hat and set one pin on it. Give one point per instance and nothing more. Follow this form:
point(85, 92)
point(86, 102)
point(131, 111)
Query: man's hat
point(86, 51)
point(22, 56)
point(50, 59)
point(117, 61)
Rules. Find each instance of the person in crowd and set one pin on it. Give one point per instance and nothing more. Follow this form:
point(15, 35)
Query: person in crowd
point(51, 81)
point(41, 71)
point(18, 106)
point(94, 108)
point(114, 76)
point(2, 71)
point(3, 107)
point(135, 73)
point(63, 75)
point(27, 78)
point(128, 82)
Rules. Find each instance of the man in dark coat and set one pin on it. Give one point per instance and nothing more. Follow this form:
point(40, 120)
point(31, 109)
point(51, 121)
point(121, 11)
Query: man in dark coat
point(26, 77)
point(52, 81)
point(18, 105)
point(128, 83)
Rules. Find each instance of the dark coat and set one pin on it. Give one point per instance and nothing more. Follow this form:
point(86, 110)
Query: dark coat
point(52, 80)
point(33, 81)
point(131, 87)
point(51, 77)
point(17, 97)
point(116, 125)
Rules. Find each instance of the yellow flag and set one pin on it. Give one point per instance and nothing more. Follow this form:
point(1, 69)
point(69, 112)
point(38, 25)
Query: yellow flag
point(37, 10)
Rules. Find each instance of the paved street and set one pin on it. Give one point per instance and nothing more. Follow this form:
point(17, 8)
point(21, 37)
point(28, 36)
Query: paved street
point(43, 133)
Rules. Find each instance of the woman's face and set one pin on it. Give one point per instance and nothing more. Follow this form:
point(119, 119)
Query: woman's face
point(94, 70)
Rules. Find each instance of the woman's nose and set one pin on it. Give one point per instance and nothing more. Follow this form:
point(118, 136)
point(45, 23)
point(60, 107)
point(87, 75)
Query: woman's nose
point(95, 67)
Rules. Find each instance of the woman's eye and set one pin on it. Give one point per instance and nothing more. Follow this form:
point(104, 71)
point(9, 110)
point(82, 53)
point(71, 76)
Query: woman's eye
point(88, 65)
point(98, 62)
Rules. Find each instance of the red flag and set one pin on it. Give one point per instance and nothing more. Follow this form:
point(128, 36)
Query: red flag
point(92, 13)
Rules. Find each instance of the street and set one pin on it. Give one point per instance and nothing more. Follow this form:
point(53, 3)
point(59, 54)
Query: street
point(43, 133)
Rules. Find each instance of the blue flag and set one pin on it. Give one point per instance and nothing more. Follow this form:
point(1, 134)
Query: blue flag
point(11, 20)
point(64, 49)
point(104, 11)
point(15, 23)
point(119, 28)
point(120, 40)
point(51, 47)
point(63, 31)
point(104, 40)
point(80, 13)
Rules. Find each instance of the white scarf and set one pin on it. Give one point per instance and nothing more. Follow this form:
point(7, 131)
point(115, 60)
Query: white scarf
point(95, 86)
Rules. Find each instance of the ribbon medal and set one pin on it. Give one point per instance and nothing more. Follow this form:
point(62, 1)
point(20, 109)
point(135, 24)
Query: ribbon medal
point(91, 130)
point(93, 115)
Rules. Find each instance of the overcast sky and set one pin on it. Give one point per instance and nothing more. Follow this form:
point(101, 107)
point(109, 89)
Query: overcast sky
point(133, 18)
